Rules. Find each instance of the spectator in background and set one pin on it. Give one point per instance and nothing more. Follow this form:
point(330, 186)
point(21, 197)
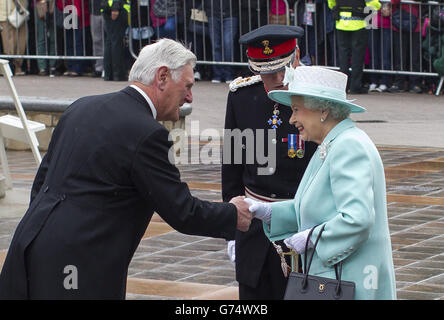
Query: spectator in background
point(163, 14)
point(97, 34)
point(406, 49)
point(223, 23)
point(278, 12)
point(254, 15)
point(380, 45)
point(308, 19)
point(352, 38)
point(13, 40)
point(45, 35)
point(140, 24)
point(198, 36)
point(115, 14)
point(74, 33)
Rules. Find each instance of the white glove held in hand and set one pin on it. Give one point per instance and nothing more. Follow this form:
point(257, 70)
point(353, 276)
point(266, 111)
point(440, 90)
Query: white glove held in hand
point(231, 251)
point(260, 210)
point(298, 240)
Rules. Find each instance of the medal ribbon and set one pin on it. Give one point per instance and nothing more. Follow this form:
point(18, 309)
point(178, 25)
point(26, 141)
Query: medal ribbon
point(300, 142)
point(301, 147)
point(291, 141)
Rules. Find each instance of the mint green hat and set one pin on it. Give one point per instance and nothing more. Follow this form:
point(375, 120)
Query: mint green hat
point(316, 82)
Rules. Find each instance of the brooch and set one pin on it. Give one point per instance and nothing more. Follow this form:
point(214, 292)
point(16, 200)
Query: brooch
point(323, 148)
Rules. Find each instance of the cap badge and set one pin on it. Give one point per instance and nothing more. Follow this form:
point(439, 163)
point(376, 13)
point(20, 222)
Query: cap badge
point(267, 50)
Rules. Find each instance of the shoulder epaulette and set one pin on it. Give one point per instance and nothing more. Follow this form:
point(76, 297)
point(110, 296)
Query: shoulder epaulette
point(244, 82)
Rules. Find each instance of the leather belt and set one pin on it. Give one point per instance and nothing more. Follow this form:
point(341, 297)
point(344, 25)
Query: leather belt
point(258, 197)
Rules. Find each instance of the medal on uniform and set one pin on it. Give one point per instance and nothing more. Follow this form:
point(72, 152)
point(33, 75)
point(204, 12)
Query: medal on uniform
point(292, 145)
point(296, 146)
point(300, 147)
point(274, 121)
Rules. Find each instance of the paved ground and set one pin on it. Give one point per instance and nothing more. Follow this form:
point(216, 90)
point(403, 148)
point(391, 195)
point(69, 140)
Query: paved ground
point(169, 265)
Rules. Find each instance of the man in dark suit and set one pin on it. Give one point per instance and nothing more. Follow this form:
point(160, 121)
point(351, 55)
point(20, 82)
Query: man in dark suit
point(105, 172)
point(270, 49)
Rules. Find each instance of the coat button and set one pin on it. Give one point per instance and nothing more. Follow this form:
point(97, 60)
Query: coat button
point(273, 195)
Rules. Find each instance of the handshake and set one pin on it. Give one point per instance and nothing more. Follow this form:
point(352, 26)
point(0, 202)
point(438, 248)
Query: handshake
point(248, 209)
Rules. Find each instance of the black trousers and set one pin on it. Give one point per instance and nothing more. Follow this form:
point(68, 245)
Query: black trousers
point(352, 45)
point(114, 63)
point(272, 283)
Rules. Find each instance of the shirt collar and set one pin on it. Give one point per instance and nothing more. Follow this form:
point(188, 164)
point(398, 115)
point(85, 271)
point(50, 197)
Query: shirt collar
point(150, 103)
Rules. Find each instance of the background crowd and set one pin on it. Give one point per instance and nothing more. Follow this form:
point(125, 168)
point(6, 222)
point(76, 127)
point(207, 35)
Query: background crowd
point(118, 29)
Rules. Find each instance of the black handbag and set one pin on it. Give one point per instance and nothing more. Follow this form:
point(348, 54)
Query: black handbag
point(404, 20)
point(302, 286)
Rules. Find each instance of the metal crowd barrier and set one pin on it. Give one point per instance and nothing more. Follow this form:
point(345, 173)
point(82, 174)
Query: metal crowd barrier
point(195, 23)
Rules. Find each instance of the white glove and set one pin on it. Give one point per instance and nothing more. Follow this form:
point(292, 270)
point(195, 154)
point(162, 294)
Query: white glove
point(231, 251)
point(260, 210)
point(298, 240)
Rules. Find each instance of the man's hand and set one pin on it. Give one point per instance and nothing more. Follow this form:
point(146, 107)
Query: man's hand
point(114, 14)
point(244, 215)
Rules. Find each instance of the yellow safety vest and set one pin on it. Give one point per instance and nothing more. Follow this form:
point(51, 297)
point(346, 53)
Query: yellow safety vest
point(126, 6)
point(347, 22)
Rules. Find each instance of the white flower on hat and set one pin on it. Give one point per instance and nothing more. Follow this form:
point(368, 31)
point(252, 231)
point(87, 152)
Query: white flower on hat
point(289, 75)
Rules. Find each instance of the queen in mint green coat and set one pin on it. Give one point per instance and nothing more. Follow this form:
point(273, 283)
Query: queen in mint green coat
point(343, 188)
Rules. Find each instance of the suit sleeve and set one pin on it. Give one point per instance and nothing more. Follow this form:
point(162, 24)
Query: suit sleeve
point(232, 181)
point(158, 180)
point(351, 178)
point(283, 221)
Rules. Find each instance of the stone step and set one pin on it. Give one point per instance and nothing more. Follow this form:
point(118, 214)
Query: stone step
point(150, 288)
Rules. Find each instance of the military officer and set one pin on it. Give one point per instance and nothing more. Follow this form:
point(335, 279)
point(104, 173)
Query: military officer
point(269, 49)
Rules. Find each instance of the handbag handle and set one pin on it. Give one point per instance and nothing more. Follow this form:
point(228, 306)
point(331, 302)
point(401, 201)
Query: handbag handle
point(337, 266)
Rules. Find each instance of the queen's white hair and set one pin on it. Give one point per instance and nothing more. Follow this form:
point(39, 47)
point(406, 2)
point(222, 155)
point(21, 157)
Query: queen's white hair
point(338, 111)
point(164, 52)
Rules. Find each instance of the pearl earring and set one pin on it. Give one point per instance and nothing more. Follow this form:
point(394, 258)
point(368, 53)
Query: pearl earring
point(322, 119)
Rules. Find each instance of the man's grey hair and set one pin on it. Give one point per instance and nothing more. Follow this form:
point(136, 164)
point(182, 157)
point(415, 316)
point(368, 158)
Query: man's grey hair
point(164, 52)
point(338, 111)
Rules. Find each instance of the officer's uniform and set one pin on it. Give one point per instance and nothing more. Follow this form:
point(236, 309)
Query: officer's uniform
point(258, 266)
point(114, 53)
